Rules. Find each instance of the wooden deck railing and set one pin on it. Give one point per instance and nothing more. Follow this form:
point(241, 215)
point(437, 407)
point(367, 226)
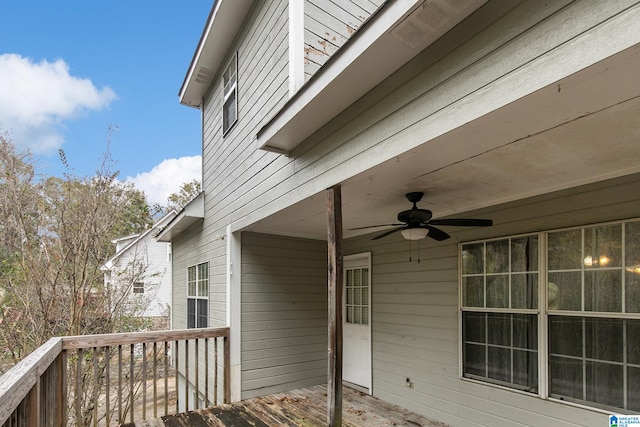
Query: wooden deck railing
point(105, 380)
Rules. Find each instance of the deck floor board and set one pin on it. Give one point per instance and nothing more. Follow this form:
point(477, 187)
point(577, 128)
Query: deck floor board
point(305, 407)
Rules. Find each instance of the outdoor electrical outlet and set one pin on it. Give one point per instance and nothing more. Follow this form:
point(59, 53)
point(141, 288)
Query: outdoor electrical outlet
point(409, 383)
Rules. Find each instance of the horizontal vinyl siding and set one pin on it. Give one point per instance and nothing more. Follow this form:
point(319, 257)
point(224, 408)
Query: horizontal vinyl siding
point(284, 313)
point(415, 311)
point(480, 56)
point(328, 25)
point(230, 162)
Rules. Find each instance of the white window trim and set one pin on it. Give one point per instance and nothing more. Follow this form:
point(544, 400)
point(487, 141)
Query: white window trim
point(233, 88)
point(138, 286)
point(197, 297)
point(543, 315)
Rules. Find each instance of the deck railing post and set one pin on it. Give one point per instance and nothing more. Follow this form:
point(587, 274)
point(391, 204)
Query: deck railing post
point(53, 387)
point(61, 398)
point(33, 410)
point(227, 368)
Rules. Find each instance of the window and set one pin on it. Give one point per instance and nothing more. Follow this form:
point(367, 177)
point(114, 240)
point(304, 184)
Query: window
point(357, 289)
point(500, 311)
point(230, 91)
point(594, 327)
point(198, 296)
point(591, 314)
point(138, 288)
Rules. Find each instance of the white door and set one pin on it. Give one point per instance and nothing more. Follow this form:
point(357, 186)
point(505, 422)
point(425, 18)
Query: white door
point(356, 317)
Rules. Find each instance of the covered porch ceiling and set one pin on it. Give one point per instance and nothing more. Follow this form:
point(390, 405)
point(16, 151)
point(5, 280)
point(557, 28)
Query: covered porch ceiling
point(581, 129)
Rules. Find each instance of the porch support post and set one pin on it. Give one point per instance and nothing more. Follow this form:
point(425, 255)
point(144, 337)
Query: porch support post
point(334, 376)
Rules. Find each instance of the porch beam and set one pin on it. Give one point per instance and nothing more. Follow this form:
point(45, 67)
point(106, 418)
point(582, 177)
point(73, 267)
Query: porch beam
point(334, 242)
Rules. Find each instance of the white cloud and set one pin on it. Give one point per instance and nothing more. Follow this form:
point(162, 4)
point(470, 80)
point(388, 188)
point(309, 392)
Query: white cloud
point(37, 98)
point(167, 178)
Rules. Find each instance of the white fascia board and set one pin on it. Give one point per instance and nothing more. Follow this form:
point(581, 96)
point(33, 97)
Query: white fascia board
point(223, 24)
point(370, 56)
point(192, 213)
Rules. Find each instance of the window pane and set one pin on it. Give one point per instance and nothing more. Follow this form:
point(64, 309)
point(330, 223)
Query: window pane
point(474, 327)
point(473, 259)
point(633, 341)
point(203, 271)
point(565, 335)
point(229, 111)
point(203, 313)
point(603, 290)
point(499, 363)
point(565, 291)
point(202, 288)
point(633, 389)
point(566, 377)
point(349, 295)
point(603, 246)
point(474, 360)
point(357, 296)
point(356, 315)
point(604, 339)
point(499, 329)
point(473, 291)
point(525, 369)
point(524, 290)
point(632, 264)
point(365, 315)
point(632, 247)
point(565, 250)
point(525, 331)
point(365, 277)
point(604, 384)
point(498, 291)
point(357, 277)
point(365, 296)
point(498, 256)
point(524, 254)
point(632, 290)
point(191, 313)
point(191, 289)
point(350, 314)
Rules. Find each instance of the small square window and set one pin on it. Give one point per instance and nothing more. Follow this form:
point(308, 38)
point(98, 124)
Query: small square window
point(138, 288)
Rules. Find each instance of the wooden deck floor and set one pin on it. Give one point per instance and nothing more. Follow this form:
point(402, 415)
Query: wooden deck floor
point(304, 407)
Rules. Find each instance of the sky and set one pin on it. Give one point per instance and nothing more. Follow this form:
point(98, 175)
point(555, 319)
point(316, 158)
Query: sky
point(75, 74)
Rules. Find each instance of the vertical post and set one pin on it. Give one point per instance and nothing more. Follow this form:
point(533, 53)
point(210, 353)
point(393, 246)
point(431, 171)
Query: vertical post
point(334, 242)
point(227, 368)
point(61, 401)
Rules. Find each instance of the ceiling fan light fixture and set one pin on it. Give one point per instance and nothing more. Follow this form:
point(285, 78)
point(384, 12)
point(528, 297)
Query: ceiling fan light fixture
point(414, 233)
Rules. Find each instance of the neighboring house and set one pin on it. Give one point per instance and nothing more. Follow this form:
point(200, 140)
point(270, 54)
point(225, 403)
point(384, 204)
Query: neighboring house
point(141, 268)
point(523, 112)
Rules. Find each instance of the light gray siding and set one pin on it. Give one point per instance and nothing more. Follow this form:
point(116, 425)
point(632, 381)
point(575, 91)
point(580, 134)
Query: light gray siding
point(459, 78)
point(481, 65)
point(284, 313)
point(415, 311)
point(328, 25)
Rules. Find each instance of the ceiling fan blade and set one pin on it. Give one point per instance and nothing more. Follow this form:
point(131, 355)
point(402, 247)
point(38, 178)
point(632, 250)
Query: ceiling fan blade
point(463, 222)
point(374, 226)
point(436, 233)
point(388, 232)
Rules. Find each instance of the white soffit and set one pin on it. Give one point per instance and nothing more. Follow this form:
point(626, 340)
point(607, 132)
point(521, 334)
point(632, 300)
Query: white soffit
point(192, 213)
point(394, 35)
point(221, 28)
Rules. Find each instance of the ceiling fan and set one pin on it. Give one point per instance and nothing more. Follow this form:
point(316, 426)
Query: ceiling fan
point(416, 223)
